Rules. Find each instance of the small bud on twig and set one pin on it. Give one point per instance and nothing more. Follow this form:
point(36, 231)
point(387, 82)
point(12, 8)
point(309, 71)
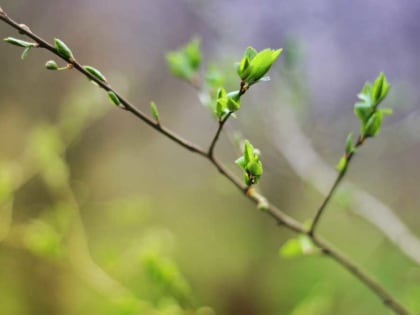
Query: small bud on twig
point(96, 73)
point(155, 112)
point(51, 65)
point(63, 50)
point(114, 98)
point(24, 27)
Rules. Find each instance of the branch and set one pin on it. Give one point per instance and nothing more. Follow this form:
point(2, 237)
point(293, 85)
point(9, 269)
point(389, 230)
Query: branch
point(222, 122)
point(281, 217)
point(290, 142)
point(348, 157)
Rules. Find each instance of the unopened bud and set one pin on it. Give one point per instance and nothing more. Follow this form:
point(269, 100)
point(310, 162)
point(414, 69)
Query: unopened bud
point(25, 28)
point(51, 65)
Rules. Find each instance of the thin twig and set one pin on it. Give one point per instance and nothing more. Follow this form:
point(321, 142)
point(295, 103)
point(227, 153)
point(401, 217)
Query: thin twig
point(222, 122)
point(280, 216)
point(340, 176)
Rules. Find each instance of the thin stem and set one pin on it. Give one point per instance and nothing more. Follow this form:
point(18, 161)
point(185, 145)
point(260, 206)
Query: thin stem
point(325, 202)
point(222, 122)
point(339, 178)
point(107, 87)
point(281, 217)
point(370, 282)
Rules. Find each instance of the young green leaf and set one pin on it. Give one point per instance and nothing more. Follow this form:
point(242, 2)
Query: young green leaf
point(19, 42)
point(155, 111)
point(261, 63)
point(114, 98)
point(96, 73)
point(363, 111)
point(248, 152)
point(63, 50)
point(250, 53)
point(255, 168)
point(241, 162)
point(380, 89)
point(250, 164)
point(373, 125)
point(244, 68)
point(232, 104)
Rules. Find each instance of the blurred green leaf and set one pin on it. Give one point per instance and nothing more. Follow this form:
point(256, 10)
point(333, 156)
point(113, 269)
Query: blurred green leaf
point(47, 147)
point(42, 239)
point(314, 304)
point(7, 179)
point(302, 245)
point(165, 273)
point(214, 77)
point(184, 63)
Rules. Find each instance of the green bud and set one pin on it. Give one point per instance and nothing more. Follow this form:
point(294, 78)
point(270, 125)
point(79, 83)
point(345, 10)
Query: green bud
point(155, 111)
point(114, 98)
point(63, 50)
point(96, 73)
point(250, 164)
point(19, 42)
point(24, 29)
point(51, 65)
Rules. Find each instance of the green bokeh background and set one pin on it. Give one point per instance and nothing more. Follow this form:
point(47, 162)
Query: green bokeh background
point(109, 217)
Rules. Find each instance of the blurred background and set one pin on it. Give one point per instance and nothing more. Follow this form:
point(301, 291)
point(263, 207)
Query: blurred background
point(99, 214)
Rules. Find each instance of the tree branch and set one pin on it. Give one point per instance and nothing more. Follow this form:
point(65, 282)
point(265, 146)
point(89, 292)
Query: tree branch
point(222, 122)
point(340, 176)
point(280, 216)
